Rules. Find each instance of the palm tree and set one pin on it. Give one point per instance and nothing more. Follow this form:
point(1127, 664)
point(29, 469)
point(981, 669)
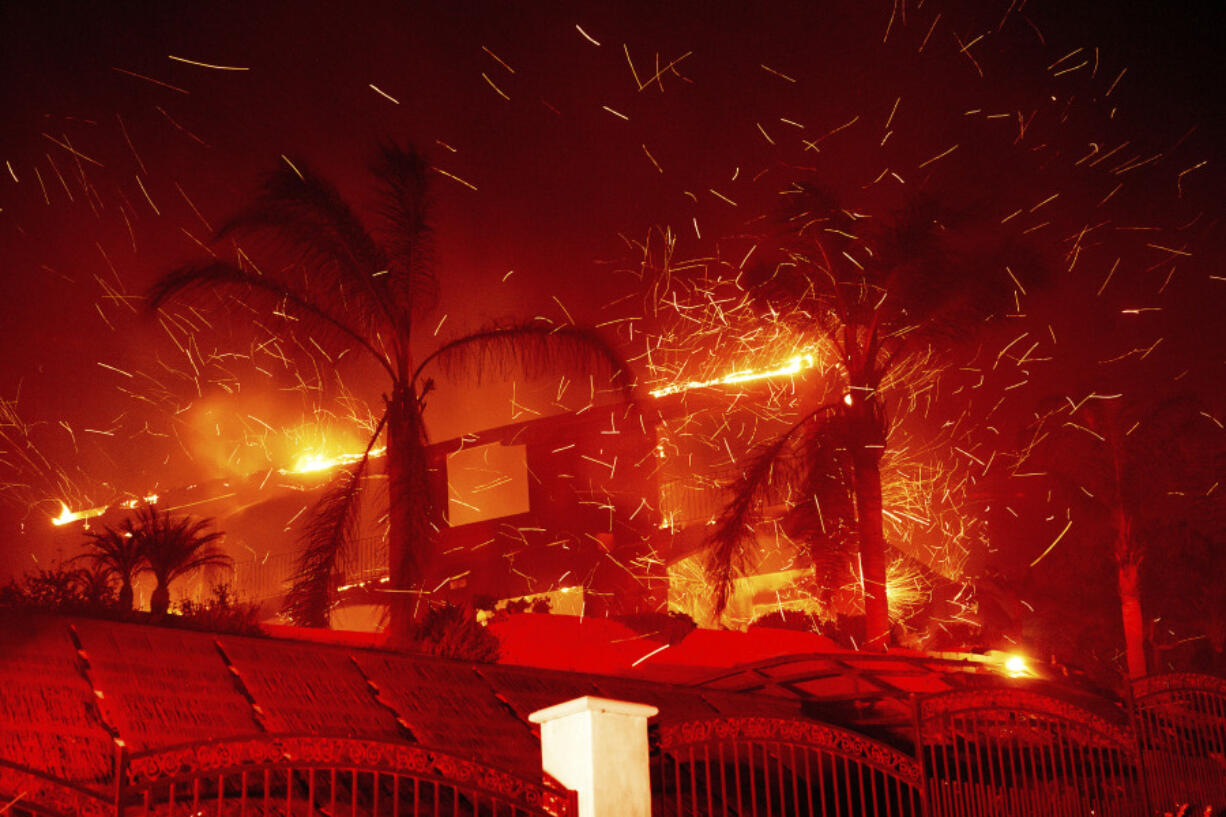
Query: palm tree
point(1137, 472)
point(369, 289)
point(871, 292)
point(119, 554)
point(172, 548)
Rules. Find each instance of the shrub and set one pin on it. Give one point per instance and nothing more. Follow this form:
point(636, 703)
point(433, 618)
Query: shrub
point(61, 589)
point(672, 627)
point(453, 632)
point(221, 613)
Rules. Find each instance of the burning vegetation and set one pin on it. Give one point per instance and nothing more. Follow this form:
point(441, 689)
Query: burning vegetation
point(913, 358)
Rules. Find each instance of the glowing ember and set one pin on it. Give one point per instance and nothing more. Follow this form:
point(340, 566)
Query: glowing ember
point(792, 367)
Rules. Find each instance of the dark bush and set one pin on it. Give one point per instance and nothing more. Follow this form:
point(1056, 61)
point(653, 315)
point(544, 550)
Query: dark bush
point(62, 589)
point(92, 593)
point(221, 613)
point(453, 632)
point(672, 627)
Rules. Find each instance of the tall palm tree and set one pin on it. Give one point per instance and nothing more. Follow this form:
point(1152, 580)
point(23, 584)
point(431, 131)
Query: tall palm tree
point(871, 291)
point(1135, 471)
point(120, 554)
point(369, 289)
point(173, 547)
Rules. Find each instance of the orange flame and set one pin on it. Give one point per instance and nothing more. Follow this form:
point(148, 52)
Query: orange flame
point(67, 515)
point(312, 461)
point(793, 366)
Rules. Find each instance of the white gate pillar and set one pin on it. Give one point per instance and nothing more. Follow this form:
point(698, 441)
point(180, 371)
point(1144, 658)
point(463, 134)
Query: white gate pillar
point(598, 747)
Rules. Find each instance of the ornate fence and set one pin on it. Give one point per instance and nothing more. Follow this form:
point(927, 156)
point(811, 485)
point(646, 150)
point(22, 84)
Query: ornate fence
point(772, 766)
point(1180, 724)
point(287, 775)
point(1004, 751)
point(996, 751)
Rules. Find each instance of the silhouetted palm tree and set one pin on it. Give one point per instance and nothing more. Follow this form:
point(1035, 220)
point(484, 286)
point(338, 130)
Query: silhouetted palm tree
point(120, 554)
point(369, 290)
point(870, 291)
point(173, 547)
point(1135, 472)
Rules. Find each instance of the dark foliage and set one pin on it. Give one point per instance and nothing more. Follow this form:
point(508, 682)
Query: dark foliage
point(63, 589)
point(91, 593)
point(875, 290)
point(119, 554)
point(354, 286)
point(449, 631)
point(174, 547)
point(222, 612)
point(329, 536)
point(671, 627)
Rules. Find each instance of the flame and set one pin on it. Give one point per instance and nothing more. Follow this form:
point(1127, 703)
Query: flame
point(312, 461)
point(793, 366)
point(1017, 667)
point(67, 515)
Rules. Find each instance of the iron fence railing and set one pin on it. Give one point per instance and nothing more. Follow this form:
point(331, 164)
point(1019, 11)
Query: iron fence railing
point(995, 750)
point(1009, 751)
point(1179, 722)
point(285, 775)
point(774, 766)
point(269, 577)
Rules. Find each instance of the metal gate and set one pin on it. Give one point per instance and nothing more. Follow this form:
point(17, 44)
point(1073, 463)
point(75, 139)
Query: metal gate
point(1015, 752)
point(762, 767)
point(1180, 723)
point(291, 775)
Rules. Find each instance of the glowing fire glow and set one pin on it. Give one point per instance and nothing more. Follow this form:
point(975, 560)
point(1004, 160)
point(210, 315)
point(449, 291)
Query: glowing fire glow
point(1016, 666)
point(67, 515)
point(793, 366)
point(312, 461)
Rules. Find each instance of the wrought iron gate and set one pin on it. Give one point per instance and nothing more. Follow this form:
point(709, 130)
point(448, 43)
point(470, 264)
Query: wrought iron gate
point(1015, 752)
point(768, 766)
point(1180, 723)
point(288, 775)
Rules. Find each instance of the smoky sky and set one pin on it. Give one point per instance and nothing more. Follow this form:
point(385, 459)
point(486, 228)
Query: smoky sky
point(560, 133)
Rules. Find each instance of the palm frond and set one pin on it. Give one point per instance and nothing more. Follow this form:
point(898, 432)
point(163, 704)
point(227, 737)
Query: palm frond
point(734, 531)
point(533, 349)
point(174, 546)
point(404, 192)
point(220, 275)
point(733, 535)
point(328, 536)
point(118, 552)
point(304, 214)
point(826, 519)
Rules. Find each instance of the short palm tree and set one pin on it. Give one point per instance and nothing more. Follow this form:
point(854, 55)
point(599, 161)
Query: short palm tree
point(174, 547)
point(369, 290)
point(118, 553)
point(871, 291)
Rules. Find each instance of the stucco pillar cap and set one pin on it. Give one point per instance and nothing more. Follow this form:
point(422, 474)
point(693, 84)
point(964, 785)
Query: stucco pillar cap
point(590, 703)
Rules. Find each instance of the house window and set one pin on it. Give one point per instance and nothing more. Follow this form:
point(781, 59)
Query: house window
point(486, 482)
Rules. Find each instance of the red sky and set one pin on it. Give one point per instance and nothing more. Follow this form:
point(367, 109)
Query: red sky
point(567, 153)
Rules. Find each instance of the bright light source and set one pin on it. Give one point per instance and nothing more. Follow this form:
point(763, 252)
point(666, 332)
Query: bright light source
point(793, 366)
point(1016, 666)
point(847, 399)
point(67, 515)
point(311, 461)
